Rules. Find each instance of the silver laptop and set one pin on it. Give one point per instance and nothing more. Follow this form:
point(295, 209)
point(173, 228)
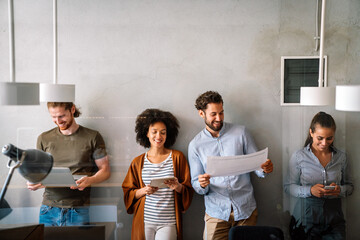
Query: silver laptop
point(60, 177)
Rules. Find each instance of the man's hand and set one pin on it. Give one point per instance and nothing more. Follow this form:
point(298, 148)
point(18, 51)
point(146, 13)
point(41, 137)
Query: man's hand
point(34, 187)
point(82, 183)
point(101, 175)
point(204, 180)
point(267, 166)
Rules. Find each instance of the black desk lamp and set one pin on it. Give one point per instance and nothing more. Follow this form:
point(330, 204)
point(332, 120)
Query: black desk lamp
point(34, 165)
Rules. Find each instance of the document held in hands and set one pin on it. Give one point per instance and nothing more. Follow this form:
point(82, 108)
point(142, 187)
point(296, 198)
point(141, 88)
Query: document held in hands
point(159, 182)
point(234, 165)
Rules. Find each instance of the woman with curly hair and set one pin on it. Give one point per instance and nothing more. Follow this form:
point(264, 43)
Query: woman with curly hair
point(157, 211)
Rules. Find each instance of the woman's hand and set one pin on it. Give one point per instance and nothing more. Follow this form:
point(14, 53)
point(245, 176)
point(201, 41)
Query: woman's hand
point(318, 190)
point(34, 186)
point(174, 184)
point(335, 192)
point(147, 190)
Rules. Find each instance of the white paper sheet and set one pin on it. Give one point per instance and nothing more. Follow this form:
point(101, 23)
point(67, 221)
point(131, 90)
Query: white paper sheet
point(235, 165)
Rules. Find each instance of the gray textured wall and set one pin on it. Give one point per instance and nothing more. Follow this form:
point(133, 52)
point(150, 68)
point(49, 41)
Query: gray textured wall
point(125, 56)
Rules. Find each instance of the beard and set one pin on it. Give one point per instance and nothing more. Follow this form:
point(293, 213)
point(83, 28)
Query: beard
point(212, 127)
point(67, 125)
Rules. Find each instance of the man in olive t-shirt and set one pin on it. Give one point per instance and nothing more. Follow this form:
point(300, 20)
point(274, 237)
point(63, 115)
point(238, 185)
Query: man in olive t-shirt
point(83, 151)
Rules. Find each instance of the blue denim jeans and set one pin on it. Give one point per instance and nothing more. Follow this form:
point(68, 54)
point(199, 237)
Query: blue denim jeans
point(54, 216)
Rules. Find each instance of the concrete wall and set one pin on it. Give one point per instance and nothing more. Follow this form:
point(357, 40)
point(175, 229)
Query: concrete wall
point(126, 56)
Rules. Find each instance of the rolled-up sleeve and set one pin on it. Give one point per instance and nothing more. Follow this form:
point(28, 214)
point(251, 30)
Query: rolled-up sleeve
point(196, 169)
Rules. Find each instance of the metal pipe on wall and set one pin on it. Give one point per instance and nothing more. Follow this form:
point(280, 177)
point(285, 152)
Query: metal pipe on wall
point(55, 42)
point(11, 41)
point(317, 15)
point(321, 55)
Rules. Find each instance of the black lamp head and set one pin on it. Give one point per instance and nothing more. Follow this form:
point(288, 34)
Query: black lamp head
point(34, 166)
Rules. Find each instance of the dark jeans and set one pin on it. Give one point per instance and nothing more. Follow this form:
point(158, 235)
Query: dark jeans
point(54, 216)
point(318, 218)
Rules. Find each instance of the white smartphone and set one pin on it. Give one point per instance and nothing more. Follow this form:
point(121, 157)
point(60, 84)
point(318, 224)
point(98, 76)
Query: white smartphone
point(329, 187)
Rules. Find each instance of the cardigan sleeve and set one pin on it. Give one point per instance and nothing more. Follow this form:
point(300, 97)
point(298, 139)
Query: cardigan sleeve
point(130, 185)
point(183, 175)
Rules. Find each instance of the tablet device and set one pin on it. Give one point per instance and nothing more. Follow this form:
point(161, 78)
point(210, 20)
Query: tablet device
point(159, 182)
point(59, 177)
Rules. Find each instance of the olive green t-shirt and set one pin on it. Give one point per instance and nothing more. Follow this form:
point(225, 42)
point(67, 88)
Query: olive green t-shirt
point(78, 152)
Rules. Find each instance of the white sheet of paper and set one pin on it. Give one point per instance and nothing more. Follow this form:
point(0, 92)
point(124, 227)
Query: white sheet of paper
point(235, 165)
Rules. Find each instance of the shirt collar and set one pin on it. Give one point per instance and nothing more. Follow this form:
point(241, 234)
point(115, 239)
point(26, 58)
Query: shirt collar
point(222, 130)
point(332, 148)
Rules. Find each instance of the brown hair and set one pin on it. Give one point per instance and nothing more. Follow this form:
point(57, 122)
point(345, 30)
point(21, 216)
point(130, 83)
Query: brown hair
point(66, 105)
point(208, 97)
point(324, 120)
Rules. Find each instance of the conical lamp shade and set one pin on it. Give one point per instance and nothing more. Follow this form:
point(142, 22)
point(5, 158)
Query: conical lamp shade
point(57, 92)
point(18, 93)
point(317, 96)
point(348, 98)
point(35, 164)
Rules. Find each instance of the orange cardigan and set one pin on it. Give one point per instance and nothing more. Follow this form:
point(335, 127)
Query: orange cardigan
point(133, 182)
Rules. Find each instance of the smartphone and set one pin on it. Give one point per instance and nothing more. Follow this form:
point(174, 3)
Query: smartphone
point(329, 187)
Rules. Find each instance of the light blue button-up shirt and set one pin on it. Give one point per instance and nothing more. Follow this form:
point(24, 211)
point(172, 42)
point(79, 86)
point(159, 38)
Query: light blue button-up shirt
point(305, 170)
point(223, 192)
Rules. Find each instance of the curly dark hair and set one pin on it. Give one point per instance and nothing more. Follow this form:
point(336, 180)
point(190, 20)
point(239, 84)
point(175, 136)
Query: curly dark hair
point(150, 117)
point(207, 97)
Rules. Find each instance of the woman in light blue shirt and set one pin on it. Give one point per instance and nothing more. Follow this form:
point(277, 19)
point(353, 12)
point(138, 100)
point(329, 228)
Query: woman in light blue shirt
point(318, 177)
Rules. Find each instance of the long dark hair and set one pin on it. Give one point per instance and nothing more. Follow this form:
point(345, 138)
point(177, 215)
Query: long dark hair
point(324, 120)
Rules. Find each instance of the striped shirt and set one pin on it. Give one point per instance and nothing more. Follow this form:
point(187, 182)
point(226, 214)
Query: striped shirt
point(159, 206)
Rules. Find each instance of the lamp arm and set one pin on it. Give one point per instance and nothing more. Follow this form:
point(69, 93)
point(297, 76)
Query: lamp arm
point(8, 178)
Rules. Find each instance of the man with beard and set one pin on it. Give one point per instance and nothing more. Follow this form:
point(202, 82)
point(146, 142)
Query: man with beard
point(229, 200)
point(83, 151)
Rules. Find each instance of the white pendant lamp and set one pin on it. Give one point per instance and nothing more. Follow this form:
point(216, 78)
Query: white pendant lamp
point(16, 93)
point(54, 92)
point(321, 95)
point(348, 98)
point(317, 96)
